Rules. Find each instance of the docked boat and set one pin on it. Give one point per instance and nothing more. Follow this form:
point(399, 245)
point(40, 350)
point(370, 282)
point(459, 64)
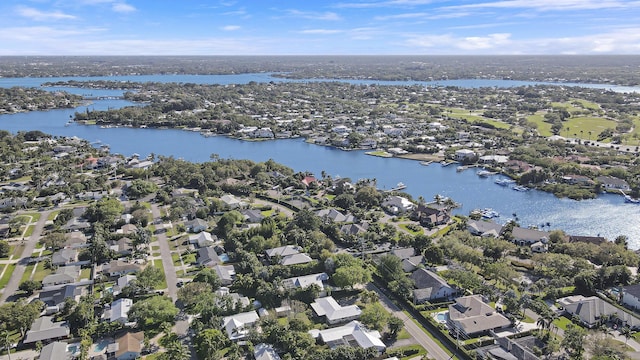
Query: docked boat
point(489, 213)
point(629, 199)
point(484, 173)
point(504, 182)
point(520, 188)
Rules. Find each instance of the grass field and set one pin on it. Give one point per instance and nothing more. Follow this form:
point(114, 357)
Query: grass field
point(52, 215)
point(586, 124)
point(562, 322)
point(158, 263)
point(41, 272)
point(7, 274)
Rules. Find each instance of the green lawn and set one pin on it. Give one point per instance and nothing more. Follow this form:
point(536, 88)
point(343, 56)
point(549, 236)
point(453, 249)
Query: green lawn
point(85, 273)
point(12, 249)
point(413, 351)
point(406, 228)
point(52, 215)
point(35, 216)
point(586, 124)
point(428, 333)
point(562, 322)
point(27, 273)
point(158, 263)
point(29, 231)
point(544, 128)
point(41, 272)
point(176, 259)
point(7, 275)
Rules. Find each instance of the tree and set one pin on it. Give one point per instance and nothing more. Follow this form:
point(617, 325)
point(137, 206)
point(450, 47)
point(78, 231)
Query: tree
point(151, 312)
point(194, 293)
point(345, 201)
point(395, 325)
point(29, 286)
point(347, 276)
point(54, 240)
point(105, 210)
point(374, 316)
point(208, 344)
point(573, 341)
point(622, 240)
point(208, 276)
point(149, 278)
point(5, 248)
point(175, 351)
point(18, 316)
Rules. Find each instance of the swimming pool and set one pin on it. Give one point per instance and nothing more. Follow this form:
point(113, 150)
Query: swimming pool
point(100, 346)
point(441, 317)
point(73, 348)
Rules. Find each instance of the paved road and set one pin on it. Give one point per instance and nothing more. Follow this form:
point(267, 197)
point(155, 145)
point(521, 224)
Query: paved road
point(29, 246)
point(433, 349)
point(165, 254)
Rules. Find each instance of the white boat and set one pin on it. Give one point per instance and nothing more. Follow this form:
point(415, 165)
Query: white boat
point(504, 182)
point(484, 173)
point(489, 213)
point(520, 188)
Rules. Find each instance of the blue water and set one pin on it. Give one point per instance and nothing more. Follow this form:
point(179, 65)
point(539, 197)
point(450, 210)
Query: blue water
point(607, 215)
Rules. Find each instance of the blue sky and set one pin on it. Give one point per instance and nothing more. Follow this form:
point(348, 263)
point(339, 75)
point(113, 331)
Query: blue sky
point(310, 27)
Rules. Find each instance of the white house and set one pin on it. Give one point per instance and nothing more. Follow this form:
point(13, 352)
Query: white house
point(334, 312)
point(398, 204)
point(232, 202)
point(203, 239)
point(430, 286)
point(120, 310)
point(464, 154)
point(351, 334)
point(238, 325)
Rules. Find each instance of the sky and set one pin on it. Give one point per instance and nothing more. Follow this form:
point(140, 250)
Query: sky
point(319, 27)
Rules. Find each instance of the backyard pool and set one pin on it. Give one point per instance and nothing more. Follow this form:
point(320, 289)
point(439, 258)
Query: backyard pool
point(100, 346)
point(441, 317)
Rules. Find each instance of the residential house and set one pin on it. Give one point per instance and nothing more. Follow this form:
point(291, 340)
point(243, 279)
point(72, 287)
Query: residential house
point(613, 183)
point(120, 268)
point(577, 180)
point(295, 259)
point(75, 239)
point(252, 215)
point(64, 257)
point(463, 155)
point(398, 205)
point(56, 297)
point(122, 246)
point(308, 180)
point(238, 326)
point(484, 228)
point(597, 240)
point(226, 273)
point(524, 236)
point(123, 282)
point(335, 215)
point(431, 216)
point(631, 296)
point(196, 225)
point(354, 229)
point(263, 351)
point(45, 330)
point(430, 286)
point(128, 229)
point(539, 247)
point(410, 261)
point(236, 299)
point(232, 202)
point(120, 310)
point(352, 334)
point(128, 346)
point(302, 282)
point(203, 239)
point(63, 275)
point(282, 251)
point(208, 257)
point(56, 350)
point(469, 316)
point(334, 312)
point(593, 310)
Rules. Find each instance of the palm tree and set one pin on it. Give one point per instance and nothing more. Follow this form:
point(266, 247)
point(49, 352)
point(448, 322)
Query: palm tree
point(626, 332)
point(542, 323)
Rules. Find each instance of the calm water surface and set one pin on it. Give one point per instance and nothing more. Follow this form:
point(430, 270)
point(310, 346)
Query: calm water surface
point(607, 215)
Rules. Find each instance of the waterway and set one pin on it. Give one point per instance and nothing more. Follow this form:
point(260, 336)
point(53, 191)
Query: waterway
point(607, 215)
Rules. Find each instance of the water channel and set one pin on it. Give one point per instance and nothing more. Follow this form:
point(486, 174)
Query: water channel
point(607, 215)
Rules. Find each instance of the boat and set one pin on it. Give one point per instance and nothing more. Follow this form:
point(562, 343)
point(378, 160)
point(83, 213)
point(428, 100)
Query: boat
point(520, 188)
point(489, 213)
point(426, 163)
point(484, 173)
point(504, 182)
point(629, 199)
point(400, 186)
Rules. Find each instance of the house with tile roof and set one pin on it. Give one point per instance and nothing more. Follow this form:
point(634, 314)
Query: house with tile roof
point(335, 313)
point(470, 316)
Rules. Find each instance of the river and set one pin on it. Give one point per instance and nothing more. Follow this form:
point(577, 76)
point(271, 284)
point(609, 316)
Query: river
point(607, 215)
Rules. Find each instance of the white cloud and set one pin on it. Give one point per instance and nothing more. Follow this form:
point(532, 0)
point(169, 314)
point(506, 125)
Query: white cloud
point(311, 15)
point(378, 4)
point(122, 7)
point(38, 15)
point(548, 5)
point(231, 28)
point(321, 31)
point(618, 41)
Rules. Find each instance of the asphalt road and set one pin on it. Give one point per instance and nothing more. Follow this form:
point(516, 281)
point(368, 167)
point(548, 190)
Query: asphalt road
point(165, 254)
point(30, 245)
point(433, 349)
